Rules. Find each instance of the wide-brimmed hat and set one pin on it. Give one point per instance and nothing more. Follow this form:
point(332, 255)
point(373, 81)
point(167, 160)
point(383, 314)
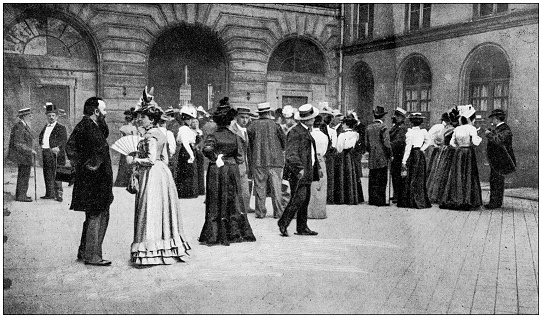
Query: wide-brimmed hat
point(243, 111)
point(263, 107)
point(325, 109)
point(50, 108)
point(497, 112)
point(466, 110)
point(379, 111)
point(399, 111)
point(336, 113)
point(287, 111)
point(24, 111)
point(306, 112)
point(189, 110)
point(416, 116)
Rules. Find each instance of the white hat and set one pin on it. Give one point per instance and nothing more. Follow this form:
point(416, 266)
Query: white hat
point(264, 107)
point(400, 111)
point(337, 112)
point(190, 111)
point(466, 110)
point(306, 112)
point(287, 111)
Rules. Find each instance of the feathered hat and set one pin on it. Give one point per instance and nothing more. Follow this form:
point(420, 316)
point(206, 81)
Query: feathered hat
point(146, 100)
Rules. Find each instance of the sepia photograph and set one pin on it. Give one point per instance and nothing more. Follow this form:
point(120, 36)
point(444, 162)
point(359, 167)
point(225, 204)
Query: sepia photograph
point(270, 158)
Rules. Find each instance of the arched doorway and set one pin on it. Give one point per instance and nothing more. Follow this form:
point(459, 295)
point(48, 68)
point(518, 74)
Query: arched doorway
point(296, 74)
point(361, 99)
point(47, 58)
point(194, 49)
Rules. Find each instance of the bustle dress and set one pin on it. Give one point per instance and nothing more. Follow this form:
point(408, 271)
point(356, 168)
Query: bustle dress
point(125, 172)
point(414, 191)
point(462, 190)
point(158, 228)
point(225, 214)
point(347, 182)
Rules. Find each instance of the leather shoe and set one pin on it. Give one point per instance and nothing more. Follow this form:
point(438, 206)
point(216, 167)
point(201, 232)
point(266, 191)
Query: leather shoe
point(26, 199)
point(283, 230)
point(59, 199)
point(491, 206)
point(101, 262)
point(46, 197)
point(307, 232)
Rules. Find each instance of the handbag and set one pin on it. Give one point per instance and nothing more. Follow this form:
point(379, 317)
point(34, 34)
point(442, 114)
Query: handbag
point(133, 182)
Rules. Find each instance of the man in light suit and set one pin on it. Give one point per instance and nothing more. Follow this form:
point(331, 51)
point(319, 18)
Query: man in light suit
point(303, 168)
point(21, 152)
point(501, 157)
point(52, 140)
point(377, 141)
point(239, 127)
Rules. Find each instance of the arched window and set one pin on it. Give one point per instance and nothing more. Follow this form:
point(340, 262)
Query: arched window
point(489, 79)
point(46, 36)
point(297, 55)
point(416, 85)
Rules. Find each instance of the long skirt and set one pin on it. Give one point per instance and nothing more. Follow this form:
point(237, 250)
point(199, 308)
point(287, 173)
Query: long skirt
point(462, 190)
point(124, 174)
point(317, 203)
point(439, 174)
point(200, 162)
point(414, 192)
point(187, 176)
point(330, 169)
point(225, 215)
point(432, 166)
point(158, 228)
point(347, 179)
point(378, 179)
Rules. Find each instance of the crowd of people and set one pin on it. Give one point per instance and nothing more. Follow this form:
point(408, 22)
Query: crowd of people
point(304, 159)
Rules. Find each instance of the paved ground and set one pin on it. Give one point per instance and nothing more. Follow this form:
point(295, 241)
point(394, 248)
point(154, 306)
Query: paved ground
point(365, 260)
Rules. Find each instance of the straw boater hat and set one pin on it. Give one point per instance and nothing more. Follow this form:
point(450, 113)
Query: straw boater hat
point(399, 111)
point(416, 116)
point(50, 108)
point(170, 111)
point(325, 109)
point(243, 111)
point(287, 111)
point(264, 107)
point(497, 112)
point(23, 112)
point(306, 112)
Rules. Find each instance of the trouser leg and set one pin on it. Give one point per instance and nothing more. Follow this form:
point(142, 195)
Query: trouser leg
point(496, 188)
point(49, 163)
point(396, 178)
point(275, 174)
point(304, 196)
point(23, 177)
point(260, 190)
point(96, 224)
point(293, 206)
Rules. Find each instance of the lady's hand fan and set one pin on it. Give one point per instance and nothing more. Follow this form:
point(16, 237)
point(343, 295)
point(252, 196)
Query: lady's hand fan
point(126, 145)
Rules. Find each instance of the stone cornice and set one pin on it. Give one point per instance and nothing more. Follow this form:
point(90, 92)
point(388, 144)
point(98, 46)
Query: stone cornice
point(477, 26)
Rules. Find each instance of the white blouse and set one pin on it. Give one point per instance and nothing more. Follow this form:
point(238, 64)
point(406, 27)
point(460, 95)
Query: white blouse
point(171, 144)
point(434, 132)
point(321, 141)
point(186, 136)
point(464, 134)
point(333, 135)
point(416, 138)
point(347, 140)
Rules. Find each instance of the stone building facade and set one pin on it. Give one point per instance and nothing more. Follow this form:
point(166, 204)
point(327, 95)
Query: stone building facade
point(65, 53)
point(430, 57)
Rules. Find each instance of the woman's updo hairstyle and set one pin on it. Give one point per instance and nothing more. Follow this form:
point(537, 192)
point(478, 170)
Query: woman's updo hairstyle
point(350, 121)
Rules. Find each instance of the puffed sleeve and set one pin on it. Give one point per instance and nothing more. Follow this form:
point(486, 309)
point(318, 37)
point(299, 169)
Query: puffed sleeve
point(149, 157)
point(426, 140)
point(183, 138)
point(476, 140)
point(340, 142)
point(408, 146)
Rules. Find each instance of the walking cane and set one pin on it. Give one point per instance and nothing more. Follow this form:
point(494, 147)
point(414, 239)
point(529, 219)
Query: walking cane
point(35, 182)
point(389, 187)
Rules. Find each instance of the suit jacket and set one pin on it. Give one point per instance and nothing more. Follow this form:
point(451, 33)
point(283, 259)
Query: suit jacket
point(58, 138)
point(398, 141)
point(298, 155)
point(499, 149)
point(266, 143)
point(377, 139)
point(20, 144)
point(244, 168)
point(87, 147)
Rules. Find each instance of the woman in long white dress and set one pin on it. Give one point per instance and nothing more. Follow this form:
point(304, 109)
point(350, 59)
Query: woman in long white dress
point(158, 228)
point(317, 203)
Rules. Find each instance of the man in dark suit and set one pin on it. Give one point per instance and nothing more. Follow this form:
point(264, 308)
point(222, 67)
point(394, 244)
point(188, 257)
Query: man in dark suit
point(88, 152)
point(377, 141)
point(303, 168)
point(20, 152)
point(266, 143)
point(52, 140)
point(501, 156)
point(398, 142)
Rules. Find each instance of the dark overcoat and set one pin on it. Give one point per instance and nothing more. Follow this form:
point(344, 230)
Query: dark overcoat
point(58, 138)
point(499, 150)
point(398, 140)
point(377, 141)
point(298, 155)
point(20, 144)
point(266, 144)
point(87, 147)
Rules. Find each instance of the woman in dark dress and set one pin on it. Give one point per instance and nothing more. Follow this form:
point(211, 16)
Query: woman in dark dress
point(347, 182)
point(225, 216)
point(413, 171)
point(125, 171)
point(200, 158)
point(187, 174)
